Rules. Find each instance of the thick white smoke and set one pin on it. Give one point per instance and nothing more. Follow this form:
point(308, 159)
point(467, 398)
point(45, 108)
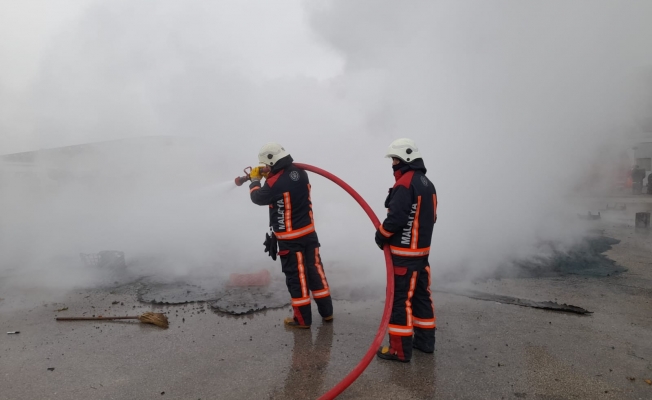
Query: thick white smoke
point(509, 102)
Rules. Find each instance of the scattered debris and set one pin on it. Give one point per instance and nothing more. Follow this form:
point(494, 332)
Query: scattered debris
point(649, 382)
point(13, 333)
point(174, 293)
point(115, 302)
point(544, 305)
point(50, 369)
point(631, 378)
point(61, 309)
point(616, 206)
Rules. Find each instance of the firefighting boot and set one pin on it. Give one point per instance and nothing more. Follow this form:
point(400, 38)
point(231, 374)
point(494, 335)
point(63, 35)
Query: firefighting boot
point(325, 307)
point(387, 353)
point(292, 323)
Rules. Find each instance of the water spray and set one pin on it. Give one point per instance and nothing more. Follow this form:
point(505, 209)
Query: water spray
point(378, 339)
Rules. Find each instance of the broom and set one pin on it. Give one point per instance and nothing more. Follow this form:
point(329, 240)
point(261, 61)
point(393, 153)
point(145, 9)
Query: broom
point(157, 319)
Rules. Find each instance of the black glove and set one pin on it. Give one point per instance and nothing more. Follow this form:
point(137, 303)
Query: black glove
point(271, 246)
point(380, 239)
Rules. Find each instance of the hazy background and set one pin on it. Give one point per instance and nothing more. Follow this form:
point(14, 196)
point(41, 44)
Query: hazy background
point(510, 103)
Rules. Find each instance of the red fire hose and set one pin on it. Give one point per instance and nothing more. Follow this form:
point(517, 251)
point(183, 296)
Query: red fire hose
point(378, 339)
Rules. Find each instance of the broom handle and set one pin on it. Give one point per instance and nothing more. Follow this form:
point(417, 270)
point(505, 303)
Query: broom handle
point(90, 318)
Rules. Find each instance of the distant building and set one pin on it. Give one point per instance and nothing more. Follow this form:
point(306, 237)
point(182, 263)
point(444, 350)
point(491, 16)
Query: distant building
point(84, 163)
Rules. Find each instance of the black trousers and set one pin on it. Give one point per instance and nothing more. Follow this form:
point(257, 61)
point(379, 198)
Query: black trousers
point(304, 274)
point(413, 313)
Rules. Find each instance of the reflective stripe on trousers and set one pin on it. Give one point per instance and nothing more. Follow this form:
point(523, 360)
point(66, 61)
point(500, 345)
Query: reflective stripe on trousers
point(318, 294)
point(400, 330)
point(302, 301)
point(424, 323)
point(405, 252)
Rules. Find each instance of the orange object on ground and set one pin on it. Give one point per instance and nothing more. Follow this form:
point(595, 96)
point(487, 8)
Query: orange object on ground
point(261, 278)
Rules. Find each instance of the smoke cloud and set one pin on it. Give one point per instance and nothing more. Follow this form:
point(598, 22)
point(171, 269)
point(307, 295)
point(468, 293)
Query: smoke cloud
point(510, 103)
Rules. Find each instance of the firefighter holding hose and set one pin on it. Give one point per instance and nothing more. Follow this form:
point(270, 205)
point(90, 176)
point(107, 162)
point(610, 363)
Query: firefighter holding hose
point(287, 193)
point(411, 216)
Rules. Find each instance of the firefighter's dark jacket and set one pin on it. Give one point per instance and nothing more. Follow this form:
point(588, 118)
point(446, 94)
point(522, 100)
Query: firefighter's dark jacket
point(287, 192)
point(411, 211)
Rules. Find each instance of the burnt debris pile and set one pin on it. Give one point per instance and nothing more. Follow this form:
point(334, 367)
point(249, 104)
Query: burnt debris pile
point(173, 293)
point(220, 297)
point(584, 258)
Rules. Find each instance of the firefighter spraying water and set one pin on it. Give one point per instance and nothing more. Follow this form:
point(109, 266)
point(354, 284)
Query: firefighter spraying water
point(287, 193)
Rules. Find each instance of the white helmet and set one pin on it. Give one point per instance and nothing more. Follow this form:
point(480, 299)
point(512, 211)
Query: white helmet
point(404, 149)
point(270, 153)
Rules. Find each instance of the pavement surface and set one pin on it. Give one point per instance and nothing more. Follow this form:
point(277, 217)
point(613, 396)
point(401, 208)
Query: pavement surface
point(484, 350)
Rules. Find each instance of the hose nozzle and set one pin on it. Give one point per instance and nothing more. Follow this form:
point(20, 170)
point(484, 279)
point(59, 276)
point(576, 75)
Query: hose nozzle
point(240, 180)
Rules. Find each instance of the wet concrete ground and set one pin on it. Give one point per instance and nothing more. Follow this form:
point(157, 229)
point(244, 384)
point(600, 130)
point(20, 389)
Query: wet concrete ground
point(485, 350)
